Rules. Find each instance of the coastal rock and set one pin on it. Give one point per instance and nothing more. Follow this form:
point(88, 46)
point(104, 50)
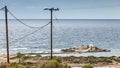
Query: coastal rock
point(85, 48)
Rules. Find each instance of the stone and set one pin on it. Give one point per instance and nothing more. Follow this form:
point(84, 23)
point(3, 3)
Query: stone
point(85, 48)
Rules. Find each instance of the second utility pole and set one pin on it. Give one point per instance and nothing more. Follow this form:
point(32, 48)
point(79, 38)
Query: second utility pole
point(7, 39)
point(51, 30)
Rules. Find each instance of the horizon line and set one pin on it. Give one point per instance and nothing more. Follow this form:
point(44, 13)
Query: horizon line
point(69, 19)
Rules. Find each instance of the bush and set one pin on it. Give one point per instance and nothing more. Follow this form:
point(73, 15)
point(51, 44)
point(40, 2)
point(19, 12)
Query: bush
point(16, 65)
point(58, 59)
point(87, 66)
point(53, 64)
point(38, 55)
point(19, 55)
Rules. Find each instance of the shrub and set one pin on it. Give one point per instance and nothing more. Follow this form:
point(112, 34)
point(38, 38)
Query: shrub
point(58, 59)
point(38, 55)
point(19, 55)
point(87, 66)
point(53, 64)
point(16, 65)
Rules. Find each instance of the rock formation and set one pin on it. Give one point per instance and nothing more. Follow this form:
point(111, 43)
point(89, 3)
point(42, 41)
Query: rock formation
point(85, 48)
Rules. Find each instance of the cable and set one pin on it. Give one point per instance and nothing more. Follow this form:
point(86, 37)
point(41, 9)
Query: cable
point(56, 19)
point(2, 8)
point(39, 28)
point(30, 33)
point(21, 21)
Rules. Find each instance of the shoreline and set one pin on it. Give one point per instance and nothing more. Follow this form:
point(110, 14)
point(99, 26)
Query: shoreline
point(114, 52)
point(68, 54)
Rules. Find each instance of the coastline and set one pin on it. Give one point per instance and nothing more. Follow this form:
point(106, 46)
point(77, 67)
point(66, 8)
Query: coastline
point(114, 52)
point(57, 52)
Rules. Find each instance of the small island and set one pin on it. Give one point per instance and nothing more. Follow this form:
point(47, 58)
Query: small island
point(84, 49)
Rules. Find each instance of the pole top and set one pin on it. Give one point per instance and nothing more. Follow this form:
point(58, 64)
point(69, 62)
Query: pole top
point(55, 9)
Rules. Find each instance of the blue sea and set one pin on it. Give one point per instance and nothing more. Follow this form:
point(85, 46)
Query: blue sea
point(102, 33)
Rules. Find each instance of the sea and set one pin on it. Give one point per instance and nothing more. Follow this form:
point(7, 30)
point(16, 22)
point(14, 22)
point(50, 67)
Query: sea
point(30, 36)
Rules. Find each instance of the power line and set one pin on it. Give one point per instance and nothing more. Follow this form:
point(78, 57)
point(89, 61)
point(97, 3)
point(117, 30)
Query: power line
point(56, 19)
point(2, 8)
point(39, 28)
point(21, 21)
point(30, 33)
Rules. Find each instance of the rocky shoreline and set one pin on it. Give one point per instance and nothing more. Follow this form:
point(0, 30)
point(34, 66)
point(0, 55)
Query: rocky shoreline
point(84, 49)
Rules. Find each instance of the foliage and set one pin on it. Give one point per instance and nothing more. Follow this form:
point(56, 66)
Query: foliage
point(53, 64)
point(19, 56)
point(38, 55)
point(87, 66)
point(16, 65)
point(58, 59)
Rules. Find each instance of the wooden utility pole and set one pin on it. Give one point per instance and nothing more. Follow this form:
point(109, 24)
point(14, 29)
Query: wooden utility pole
point(7, 39)
point(51, 29)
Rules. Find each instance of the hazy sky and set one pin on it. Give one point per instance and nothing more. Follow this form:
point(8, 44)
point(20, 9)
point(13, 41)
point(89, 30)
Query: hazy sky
point(69, 9)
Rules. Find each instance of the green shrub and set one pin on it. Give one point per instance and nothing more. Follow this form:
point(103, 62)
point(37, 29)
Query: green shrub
point(19, 56)
point(38, 55)
point(87, 66)
point(16, 65)
point(108, 61)
point(53, 64)
point(58, 59)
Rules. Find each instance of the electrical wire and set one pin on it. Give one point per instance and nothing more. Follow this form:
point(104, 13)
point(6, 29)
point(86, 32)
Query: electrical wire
point(21, 21)
point(30, 33)
point(2, 8)
point(39, 28)
point(56, 19)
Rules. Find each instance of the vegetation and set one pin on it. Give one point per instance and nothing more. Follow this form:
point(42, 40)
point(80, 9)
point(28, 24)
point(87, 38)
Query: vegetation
point(58, 59)
point(53, 64)
point(47, 64)
point(38, 61)
point(91, 60)
point(19, 56)
point(87, 66)
point(23, 57)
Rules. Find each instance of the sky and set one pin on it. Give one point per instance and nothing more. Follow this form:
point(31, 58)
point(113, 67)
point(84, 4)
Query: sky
point(69, 9)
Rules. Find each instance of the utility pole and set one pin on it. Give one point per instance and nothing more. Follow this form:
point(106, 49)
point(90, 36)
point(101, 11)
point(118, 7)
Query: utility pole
point(7, 39)
point(51, 29)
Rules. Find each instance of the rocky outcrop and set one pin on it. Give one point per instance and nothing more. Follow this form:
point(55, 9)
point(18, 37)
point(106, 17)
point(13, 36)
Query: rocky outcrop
point(85, 48)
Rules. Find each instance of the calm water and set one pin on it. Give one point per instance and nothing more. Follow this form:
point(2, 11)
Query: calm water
point(67, 33)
